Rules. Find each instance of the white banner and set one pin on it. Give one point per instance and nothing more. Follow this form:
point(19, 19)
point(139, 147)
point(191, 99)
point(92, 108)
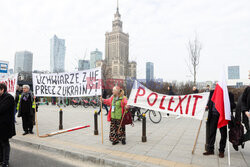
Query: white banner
point(73, 84)
point(192, 105)
point(11, 82)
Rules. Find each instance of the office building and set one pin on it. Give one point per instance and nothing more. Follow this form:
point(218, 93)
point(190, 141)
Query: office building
point(233, 72)
point(149, 71)
point(23, 62)
point(94, 57)
point(83, 65)
point(57, 54)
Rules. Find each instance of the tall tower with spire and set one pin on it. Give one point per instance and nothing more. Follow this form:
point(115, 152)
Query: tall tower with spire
point(117, 51)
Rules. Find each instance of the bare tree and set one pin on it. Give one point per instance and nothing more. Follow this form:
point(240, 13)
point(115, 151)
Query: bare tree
point(194, 49)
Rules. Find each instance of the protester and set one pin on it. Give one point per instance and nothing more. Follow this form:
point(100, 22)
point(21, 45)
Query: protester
point(195, 90)
point(18, 94)
point(207, 88)
point(104, 96)
point(239, 117)
point(118, 107)
point(61, 101)
point(246, 110)
point(213, 118)
point(7, 125)
point(26, 106)
point(171, 93)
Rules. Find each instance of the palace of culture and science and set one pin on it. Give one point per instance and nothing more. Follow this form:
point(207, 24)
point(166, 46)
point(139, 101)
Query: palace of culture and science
point(117, 52)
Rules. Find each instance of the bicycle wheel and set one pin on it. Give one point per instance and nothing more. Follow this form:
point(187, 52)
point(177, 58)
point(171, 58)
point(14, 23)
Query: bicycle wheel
point(85, 105)
point(155, 116)
point(75, 105)
point(93, 105)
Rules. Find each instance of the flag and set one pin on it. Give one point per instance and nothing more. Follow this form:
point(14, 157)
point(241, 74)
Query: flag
point(222, 102)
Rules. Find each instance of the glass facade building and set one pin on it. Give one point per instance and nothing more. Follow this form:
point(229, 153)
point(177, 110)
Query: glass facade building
point(94, 57)
point(83, 65)
point(149, 71)
point(57, 54)
point(233, 72)
point(23, 62)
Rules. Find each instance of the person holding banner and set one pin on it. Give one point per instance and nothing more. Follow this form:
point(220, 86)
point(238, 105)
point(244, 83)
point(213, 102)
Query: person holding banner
point(7, 125)
point(118, 107)
point(26, 107)
point(104, 96)
point(213, 118)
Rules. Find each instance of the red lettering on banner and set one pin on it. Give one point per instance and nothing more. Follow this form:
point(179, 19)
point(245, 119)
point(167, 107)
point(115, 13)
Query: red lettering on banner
point(156, 96)
point(161, 105)
point(179, 105)
point(137, 94)
point(169, 104)
point(187, 108)
point(195, 103)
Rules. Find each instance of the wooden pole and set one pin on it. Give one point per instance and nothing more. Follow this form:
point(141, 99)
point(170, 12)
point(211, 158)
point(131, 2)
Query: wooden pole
point(121, 123)
point(228, 148)
point(65, 131)
point(37, 131)
point(197, 136)
point(101, 119)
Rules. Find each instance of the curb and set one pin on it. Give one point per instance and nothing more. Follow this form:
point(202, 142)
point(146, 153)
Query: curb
point(87, 156)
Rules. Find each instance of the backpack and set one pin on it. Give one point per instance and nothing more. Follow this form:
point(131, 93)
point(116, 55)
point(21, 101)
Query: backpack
point(236, 133)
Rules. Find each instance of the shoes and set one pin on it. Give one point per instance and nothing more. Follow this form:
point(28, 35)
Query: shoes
point(123, 142)
point(31, 132)
point(5, 165)
point(221, 154)
point(25, 133)
point(115, 142)
point(242, 145)
point(208, 153)
point(236, 147)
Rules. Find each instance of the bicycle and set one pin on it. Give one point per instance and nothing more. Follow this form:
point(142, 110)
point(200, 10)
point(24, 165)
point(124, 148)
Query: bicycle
point(154, 116)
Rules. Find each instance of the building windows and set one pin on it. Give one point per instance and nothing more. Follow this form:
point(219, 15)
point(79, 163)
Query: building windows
point(121, 71)
point(115, 70)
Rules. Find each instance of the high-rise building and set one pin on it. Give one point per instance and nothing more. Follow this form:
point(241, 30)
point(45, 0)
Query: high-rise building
point(117, 51)
point(149, 71)
point(233, 72)
point(23, 62)
point(83, 65)
point(94, 57)
point(57, 54)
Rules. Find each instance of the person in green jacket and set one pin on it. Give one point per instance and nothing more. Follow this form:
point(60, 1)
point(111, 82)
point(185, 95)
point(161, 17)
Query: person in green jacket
point(118, 105)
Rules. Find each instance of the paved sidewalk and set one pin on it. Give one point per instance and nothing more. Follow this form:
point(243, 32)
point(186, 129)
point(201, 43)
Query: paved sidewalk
point(169, 143)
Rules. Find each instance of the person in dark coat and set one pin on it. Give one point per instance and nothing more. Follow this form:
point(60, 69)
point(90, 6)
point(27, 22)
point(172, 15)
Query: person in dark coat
point(246, 110)
point(104, 96)
point(213, 118)
point(170, 91)
point(18, 93)
point(7, 125)
point(26, 108)
point(195, 90)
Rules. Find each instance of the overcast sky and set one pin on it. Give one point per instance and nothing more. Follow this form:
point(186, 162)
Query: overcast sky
point(159, 31)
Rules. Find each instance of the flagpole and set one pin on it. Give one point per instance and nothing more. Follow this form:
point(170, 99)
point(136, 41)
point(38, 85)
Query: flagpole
point(101, 118)
point(228, 148)
point(36, 120)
